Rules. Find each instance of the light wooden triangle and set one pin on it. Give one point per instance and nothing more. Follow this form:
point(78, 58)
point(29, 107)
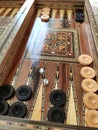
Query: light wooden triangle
point(1, 10)
point(6, 12)
point(36, 115)
point(71, 115)
point(14, 12)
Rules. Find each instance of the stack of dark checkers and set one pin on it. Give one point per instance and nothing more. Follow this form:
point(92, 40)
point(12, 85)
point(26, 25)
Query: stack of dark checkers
point(56, 113)
point(23, 93)
point(17, 109)
point(57, 98)
point(6, 92)
point(79, 16)
point(4, 107)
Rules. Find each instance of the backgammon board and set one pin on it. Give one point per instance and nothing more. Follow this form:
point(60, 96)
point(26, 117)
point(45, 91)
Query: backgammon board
point(49, 67)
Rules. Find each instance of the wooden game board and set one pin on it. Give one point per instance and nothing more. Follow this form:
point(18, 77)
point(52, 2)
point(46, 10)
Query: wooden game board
point(36, 44)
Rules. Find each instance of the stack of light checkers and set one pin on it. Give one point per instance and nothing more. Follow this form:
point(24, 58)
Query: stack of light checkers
point(45, 14)
point(86, 71)
point(90, 86)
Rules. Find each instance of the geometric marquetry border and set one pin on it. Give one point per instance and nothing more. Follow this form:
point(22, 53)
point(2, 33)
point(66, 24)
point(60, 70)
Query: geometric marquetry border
point(16, 123)
point(94, 26)
point(94, 31)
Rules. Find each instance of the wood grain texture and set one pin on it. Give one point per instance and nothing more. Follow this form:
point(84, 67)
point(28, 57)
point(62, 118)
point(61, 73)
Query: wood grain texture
point(50, 75)
point(77, 79)
point(60, 74)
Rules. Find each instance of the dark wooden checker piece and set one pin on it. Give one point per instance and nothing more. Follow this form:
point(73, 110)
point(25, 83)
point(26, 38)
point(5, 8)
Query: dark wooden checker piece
point(56, 114)
point(23, 93)
point(17, 109)
point(79, 19)
point(58, 98)
point(79, 16)
point(6, 91)
point(80, 12)
point(4, 106)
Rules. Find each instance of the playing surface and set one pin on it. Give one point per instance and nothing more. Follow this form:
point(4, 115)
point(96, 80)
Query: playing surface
point(55, 47)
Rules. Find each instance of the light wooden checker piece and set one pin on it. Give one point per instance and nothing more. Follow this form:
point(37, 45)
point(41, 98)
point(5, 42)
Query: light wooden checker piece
point(89, 85)
point(91, 118)
point(91, 100)
point(46, 9)
point(45, 18)
point(85, 59)
point(87, 72)
point(45, 12)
